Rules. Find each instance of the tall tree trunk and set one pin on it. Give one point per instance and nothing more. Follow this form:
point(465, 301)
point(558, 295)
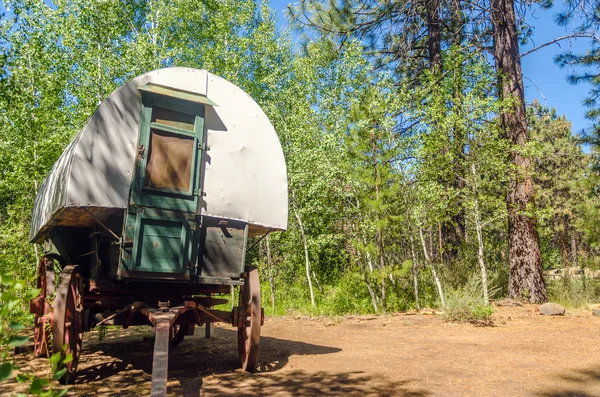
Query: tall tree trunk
point(369, 261)
point(434, 36)
point(377, 179)
point(563, 247)
point(415, 270)
point(526, 275)
point(374, 297)
point(371, 293)
point(441, 243)
point(459, 137)
point(318, 283)
point(430, 243)
point(383, 294)
point(99, 93)
point(573, 247)
point(271, 271)
point(305, 244)
point(429, 260)
point(480, 246)
point(452, 229)
point(154, 32)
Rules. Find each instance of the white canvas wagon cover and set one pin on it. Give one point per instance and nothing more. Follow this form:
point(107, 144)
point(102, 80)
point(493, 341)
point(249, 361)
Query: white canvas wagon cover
point(244, 169)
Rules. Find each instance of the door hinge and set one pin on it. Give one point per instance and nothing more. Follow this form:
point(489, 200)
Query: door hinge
point(198, 193)
point(203, 146)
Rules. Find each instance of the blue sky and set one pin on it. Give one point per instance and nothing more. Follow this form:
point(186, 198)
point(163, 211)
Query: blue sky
point(543, 79)
point(539, 68)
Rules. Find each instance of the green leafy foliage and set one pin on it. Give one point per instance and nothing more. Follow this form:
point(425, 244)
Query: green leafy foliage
point(12, 335)
point(6, 369)
point(584, 21)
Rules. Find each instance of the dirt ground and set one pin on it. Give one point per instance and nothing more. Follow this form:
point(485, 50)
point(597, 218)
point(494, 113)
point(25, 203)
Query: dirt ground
point(523, 354)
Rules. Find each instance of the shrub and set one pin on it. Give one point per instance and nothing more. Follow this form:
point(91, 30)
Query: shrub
point(349, 296)
point(571, 292)
point(465, 305)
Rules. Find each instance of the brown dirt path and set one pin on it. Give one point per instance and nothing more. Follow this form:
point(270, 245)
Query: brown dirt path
point(525, 354)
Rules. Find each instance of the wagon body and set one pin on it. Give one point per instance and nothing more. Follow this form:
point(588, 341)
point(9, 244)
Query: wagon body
point(213, 129)
point(154, 200)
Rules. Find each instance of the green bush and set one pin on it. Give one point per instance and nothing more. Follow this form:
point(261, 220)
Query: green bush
point(465, 305)
point(349, 296)
point(574, 293)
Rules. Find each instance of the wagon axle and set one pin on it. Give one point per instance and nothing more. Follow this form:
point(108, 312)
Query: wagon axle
point(190, 311)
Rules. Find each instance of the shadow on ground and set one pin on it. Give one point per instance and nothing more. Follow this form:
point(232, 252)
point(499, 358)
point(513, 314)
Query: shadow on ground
point(582, 383)
point(301, 383)
point(122, 364)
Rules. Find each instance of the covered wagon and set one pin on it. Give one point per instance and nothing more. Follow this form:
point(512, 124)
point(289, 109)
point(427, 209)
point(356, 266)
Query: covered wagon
point(145, 218)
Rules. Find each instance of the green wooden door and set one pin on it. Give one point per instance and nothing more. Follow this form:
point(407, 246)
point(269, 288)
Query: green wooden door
point(161, 219)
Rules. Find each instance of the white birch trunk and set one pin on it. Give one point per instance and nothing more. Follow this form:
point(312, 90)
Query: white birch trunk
point(374, 297)
point(372, 293)
point(318, 283)
point(415, 269)
point(429, 260)
point(271, 278)
point(99, 94)
point(370, 262)
point(304, 242)
point(480, 247)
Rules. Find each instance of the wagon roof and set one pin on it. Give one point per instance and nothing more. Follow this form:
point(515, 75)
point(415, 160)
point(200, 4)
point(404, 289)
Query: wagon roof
point(244, 171)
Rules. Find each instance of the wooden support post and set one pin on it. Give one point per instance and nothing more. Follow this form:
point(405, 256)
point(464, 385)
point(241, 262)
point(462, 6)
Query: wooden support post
point(160, 360)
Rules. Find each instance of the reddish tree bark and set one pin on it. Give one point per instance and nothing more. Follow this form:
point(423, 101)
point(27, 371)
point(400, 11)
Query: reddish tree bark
point(563, 247)
point(434, 36)
point(526, 275)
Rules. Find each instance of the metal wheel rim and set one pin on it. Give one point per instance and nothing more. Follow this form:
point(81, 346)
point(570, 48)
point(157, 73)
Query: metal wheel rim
point(67, 325)
point(249, 307)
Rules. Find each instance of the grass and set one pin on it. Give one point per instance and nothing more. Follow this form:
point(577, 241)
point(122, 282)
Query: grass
point(465, 305)
point(574, 293)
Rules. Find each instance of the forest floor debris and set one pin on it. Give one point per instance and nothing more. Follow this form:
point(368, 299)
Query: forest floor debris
point(523, 354)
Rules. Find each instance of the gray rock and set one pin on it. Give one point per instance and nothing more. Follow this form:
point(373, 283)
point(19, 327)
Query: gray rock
point(552, 309)
point(596, 311)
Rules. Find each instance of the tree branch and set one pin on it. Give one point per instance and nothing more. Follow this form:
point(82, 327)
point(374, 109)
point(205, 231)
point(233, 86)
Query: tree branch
point(557, 40)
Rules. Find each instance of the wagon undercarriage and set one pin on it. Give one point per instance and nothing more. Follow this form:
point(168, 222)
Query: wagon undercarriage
point(66, 308)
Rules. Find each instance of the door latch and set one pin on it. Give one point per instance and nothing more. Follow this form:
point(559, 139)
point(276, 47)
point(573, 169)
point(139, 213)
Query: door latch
point(141, 151)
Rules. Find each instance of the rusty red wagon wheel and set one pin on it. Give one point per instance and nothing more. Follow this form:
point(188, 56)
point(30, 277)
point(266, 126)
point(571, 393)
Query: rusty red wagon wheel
point(67, 322)
point(40, 307)
point(250, 320)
